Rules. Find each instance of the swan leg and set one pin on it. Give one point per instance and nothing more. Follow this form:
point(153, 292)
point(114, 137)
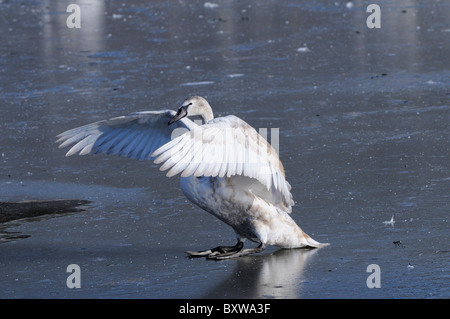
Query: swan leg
point(218, 251)
point(239, 253)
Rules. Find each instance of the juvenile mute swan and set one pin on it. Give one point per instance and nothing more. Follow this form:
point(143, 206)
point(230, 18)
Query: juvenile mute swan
point(226, 168)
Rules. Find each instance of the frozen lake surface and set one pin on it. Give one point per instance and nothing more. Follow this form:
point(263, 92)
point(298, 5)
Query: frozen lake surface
point(363, 117)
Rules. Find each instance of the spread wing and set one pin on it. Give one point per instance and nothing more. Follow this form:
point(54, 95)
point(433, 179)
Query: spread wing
point(226, 146)
point(136, 135)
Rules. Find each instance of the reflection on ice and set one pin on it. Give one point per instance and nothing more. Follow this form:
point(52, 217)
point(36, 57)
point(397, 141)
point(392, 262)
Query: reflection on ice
point(276, 275)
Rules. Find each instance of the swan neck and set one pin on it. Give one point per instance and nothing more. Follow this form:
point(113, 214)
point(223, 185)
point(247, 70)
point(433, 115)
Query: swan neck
point(207, 115)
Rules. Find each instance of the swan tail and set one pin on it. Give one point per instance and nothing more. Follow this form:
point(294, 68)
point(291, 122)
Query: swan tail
point(307, 241)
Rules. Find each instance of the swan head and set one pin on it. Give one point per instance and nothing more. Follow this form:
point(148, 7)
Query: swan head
point(194, 105)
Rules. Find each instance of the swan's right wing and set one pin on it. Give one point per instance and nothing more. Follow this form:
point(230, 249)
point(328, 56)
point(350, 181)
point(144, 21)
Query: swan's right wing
point(136, 135)
point(226, 146)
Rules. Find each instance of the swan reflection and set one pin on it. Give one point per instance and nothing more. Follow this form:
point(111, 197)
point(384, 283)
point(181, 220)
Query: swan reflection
point(275, 275)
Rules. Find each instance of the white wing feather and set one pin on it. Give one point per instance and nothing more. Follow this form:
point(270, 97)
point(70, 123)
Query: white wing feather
point(225, 146)
point(136, 135)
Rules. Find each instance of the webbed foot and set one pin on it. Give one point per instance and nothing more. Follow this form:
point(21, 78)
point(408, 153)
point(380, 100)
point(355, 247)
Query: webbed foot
point(226, 252)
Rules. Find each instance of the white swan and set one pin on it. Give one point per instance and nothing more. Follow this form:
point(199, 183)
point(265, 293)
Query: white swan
point(226, 168)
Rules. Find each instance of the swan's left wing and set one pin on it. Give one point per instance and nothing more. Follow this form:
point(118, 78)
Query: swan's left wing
point(225, 146)
point(136, 135)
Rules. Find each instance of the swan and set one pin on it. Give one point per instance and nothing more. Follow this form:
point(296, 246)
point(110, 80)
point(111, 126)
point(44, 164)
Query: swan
point(226, 168)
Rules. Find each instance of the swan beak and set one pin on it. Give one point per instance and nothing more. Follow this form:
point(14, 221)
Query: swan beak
point(180, 114)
